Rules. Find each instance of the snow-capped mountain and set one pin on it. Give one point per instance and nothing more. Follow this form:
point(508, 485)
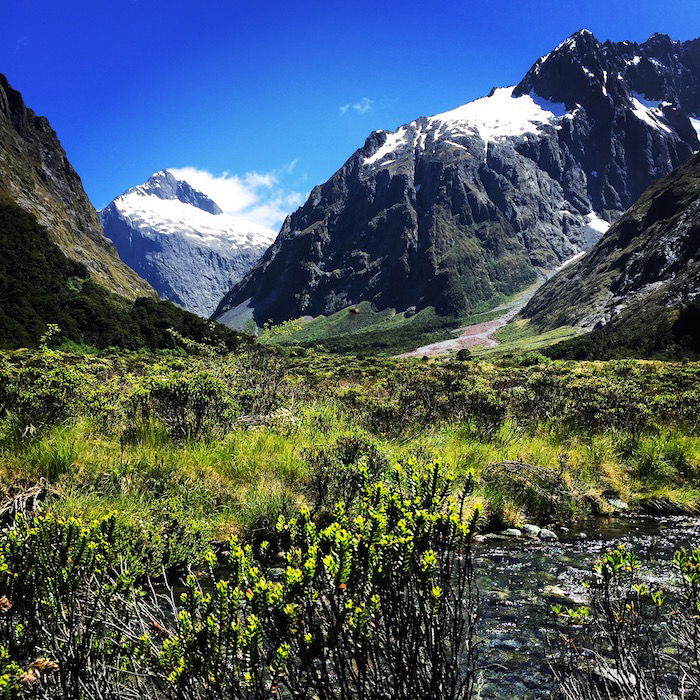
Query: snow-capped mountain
point(458, 208)
point(178, 239)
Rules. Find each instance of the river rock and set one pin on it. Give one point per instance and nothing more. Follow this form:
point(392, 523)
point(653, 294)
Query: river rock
point(532, 530)
point(611, 679)
point(506, 644)
point(495, 537)
point(618, 504)
point(512, 532)
point(555, 591)
point(665, 506)
point(545, 534)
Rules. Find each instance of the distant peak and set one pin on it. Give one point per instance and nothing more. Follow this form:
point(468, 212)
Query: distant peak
point(659, 43)
point(659, 36)
point(165, 185)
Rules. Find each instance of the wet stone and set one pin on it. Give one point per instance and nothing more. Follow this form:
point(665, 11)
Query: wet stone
point(512, 532)
point(618, 504)
point(493, 537)
point(531, 530)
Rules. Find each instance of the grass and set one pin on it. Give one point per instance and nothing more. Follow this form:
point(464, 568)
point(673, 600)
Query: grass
point(362, 329)
point(575, 421)
point(519, 337)
point(231, 483)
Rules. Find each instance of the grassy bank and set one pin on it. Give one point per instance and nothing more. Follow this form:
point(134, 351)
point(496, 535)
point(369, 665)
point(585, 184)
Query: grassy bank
point(208, 446)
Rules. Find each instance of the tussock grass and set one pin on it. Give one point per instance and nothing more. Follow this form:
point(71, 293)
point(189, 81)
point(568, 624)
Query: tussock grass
point(598, 439)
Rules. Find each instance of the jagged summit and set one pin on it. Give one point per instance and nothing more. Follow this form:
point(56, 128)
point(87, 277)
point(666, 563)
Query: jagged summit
point(582, 71)
point(179, 239)
point(165, 185)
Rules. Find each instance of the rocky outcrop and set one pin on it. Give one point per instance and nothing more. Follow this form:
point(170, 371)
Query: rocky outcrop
point(180, 241)
point(35, 173)
point(650, 259)
point(453, 210)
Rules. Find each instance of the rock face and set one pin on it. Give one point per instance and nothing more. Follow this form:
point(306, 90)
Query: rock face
point(35, 173)
point(451, 210)
point(179, 240)
point(649, 259)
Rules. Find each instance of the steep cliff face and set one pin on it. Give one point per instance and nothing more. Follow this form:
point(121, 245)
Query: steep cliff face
point(179, 240)
point(648, 260)
point(35, 173)
point(451, 210)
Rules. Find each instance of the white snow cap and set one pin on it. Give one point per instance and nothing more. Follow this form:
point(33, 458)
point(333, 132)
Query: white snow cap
point(497, 116)
point(501, 115)
point(155, 216)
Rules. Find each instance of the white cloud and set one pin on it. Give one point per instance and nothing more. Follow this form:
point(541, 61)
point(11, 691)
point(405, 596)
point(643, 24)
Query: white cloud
point(361, 107)
point(257, 197)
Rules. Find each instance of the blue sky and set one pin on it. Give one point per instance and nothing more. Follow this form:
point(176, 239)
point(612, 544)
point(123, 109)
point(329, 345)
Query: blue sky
point(284, 90)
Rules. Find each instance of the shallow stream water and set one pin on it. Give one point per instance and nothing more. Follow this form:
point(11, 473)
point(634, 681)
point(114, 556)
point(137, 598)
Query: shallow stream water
point(519, 580)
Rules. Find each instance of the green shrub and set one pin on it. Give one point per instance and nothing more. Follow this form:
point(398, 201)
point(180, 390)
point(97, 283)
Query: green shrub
point(380, 604)
point(630, 642)
point(191, 405)
point(42, 396)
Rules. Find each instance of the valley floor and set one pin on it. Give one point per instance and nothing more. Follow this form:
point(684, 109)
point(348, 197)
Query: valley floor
point(224, 443)
point(214, 526)
point(484, 335)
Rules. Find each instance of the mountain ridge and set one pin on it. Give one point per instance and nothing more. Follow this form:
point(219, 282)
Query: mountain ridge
point(452, 210)
point(639, 278)
point(36, 174)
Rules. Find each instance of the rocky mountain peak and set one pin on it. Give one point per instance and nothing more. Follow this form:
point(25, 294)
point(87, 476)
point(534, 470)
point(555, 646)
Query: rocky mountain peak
point(165, 185)
point(454, 209)
point(578, 72)
point(582, 71)
point(178, 238)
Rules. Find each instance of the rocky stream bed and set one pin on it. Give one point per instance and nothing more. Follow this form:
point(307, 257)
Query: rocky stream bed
point(520, 578)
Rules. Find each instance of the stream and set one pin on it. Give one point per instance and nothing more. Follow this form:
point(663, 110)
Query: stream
point(519, 580)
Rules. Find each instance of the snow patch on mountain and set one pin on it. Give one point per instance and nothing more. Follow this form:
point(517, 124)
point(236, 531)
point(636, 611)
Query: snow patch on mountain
point(497, 116)
point(695, 121)
point(223, 233)
point(500, 115)
point(652, 116)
